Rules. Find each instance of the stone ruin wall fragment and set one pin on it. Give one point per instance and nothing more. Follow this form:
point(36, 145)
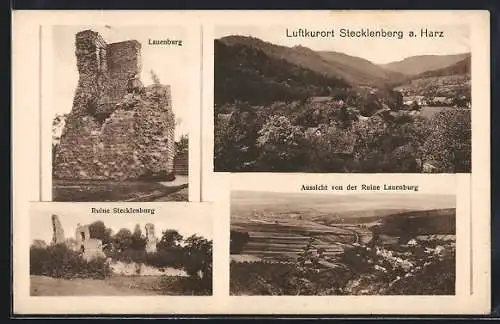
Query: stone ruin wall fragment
point(151, 239)
point(109, 134)
point(57, 230)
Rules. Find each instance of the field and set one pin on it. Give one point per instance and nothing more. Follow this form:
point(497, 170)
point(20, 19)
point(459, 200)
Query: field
point(112, 286)
point(280, 225)
point(273, 234)
point(63, 190)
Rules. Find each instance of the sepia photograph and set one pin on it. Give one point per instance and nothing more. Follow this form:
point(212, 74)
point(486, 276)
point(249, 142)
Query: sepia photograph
point(286, 243)
point(259, 162)
point(120, 114)
point(343, 100)
point(91, 251)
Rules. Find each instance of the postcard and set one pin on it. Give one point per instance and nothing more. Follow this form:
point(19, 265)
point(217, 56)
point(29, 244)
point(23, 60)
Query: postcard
point(251, 162)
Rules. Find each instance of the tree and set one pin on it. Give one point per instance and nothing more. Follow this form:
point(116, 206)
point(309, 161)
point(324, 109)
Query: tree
point(346, 116)
point(57, 127)
point(198, 258)
point(238, 241)
point(330, 151)
point(389, 145)
point(99, 231)
point(395, 101)
point(370, 105)
point(169, 239)
point(123, 239)
point(182, 145)
point(138, 240)
point(39, 244)
point(235, 139)
point(281, 145)
point(449, 141)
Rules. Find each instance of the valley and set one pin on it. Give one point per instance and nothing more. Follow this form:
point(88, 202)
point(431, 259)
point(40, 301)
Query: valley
point(281, 231)
point(331, 244)
point(294, 109)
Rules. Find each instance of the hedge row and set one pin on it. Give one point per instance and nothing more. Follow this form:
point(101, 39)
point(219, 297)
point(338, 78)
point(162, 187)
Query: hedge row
point(59, 261)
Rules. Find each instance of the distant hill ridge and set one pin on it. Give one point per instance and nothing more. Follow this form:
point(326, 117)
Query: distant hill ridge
point(461, 67)
point(354, 70)
point(422, 63)
point(253, 70)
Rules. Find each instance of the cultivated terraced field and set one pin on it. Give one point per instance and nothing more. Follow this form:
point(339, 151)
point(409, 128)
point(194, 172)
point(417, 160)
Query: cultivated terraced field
point(279, 229)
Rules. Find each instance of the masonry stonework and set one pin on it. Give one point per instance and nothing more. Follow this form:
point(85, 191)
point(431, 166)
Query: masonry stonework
point(111, 134)
point(57, 231)
point(151, 239)
point(90, 248)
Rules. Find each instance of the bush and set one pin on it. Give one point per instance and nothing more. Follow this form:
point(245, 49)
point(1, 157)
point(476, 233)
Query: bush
point(59, 261)
point(171, 257)
point(424, 268)
point(198, 258)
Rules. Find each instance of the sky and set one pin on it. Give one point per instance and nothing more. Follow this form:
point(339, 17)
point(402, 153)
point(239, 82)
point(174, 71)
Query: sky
point(169, 63)
point(376, 50)
point(187, 221)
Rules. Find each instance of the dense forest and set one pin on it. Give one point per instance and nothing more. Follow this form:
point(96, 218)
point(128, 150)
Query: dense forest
point(273, 114)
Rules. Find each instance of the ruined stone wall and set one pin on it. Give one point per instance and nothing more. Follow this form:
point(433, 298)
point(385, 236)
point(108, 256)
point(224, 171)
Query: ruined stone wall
point(151, 239)
point(110, 134)
point(82, 233)
point(122, 60)
point(91, 247)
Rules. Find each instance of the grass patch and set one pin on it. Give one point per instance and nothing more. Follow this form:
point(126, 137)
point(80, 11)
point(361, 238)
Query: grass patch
point(98, 190)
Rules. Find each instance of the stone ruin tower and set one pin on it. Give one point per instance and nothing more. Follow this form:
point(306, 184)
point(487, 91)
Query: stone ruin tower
point(57, 231)
point(112, 133)
point(89, 247)
point(151, 239)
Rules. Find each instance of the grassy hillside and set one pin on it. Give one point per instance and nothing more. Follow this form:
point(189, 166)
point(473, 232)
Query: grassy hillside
point(419, 64)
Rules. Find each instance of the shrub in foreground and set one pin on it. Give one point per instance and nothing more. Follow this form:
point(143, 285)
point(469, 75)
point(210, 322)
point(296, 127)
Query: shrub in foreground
point(59, 261)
